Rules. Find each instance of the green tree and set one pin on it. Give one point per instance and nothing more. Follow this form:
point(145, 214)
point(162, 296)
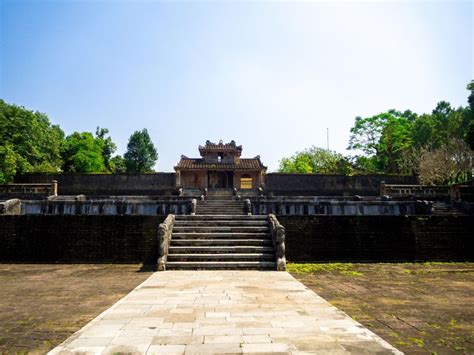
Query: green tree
point(117, 165)
point(470, 99)
point(470, 116)
point(108, 146)
point(382, 138)
point(141, 154)
point(28, 142)
point(7, 163)
point(82, 153)
point(315, 160)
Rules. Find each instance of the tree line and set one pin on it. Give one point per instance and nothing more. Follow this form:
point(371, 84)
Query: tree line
point(29, 143)
point(437, 147)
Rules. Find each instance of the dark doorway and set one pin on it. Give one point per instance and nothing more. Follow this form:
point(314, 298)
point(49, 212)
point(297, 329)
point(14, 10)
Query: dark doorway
point(221, 179)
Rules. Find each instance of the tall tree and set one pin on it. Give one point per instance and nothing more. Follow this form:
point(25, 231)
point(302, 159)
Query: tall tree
point(470, 114)
point(382, 139)
point(447, 164)
point(28, 142)
point(315, 160)
point(117, 165)
point(108, 146)
point(141, 154)
point(82, 153)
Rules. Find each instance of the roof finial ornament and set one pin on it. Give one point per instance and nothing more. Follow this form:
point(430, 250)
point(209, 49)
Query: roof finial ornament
point(221, 142)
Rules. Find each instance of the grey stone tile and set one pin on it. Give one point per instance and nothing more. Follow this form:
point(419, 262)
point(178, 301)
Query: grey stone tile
point(224, 312)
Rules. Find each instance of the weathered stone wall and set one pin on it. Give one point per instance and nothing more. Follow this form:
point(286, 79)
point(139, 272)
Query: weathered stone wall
point(194, 179)
point(94, 239)
point(329, 185)
point(130, 239)
point(107, 207)
point(300, 206)
point(378, 238)
point(107, 184)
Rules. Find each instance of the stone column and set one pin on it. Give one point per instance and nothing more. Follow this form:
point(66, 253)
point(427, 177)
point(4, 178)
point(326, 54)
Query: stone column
point(54, 188)
point(178, 178)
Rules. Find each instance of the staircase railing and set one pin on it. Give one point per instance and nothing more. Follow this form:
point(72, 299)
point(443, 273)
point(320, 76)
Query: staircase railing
point(165, 230)
point(277, 232)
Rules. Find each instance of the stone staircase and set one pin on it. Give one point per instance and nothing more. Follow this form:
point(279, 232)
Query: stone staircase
point(221, 236)
point(220, 207)
point(446, 209)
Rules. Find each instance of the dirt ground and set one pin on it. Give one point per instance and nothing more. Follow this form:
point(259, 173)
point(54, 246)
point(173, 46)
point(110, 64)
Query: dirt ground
point(419, 308)
point(41, 305)
point(425, 308)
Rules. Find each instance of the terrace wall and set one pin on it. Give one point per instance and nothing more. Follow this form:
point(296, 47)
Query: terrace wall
point(75, 239)
point(164, 184)
point(107, 184)
point(329, 185)
point(378, 238)
point(131, 239)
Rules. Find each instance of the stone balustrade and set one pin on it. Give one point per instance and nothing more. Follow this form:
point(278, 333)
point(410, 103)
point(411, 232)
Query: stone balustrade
point(82, 206)
point(277, 232)
point(314, 206)
point(418, 191)
point(29, 190)
point(165, 230)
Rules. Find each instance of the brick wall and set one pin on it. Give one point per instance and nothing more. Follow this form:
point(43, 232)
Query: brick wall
point(330, 185)
point(98, 239)
point(131, 239)
point(378, 238)
point(107, 184)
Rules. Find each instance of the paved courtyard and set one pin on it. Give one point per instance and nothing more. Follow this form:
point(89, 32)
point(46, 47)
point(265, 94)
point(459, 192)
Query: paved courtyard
point(202, 312)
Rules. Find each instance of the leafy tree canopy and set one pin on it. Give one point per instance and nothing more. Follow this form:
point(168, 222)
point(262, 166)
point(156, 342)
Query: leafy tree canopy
point(391, 141)
point(117, 165)
point(108, 146)
point(141, 154)
point(315, 160)
point(28, 142)
point(82, 153)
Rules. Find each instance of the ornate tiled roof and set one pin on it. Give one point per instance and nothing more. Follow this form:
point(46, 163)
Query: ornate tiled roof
point(220, 147)
point(240, 164)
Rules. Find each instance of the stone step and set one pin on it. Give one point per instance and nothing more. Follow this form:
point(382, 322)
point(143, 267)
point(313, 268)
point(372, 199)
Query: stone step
point(221, 212)
point(235, 249)
point(243, 265)
point(223, 223)
point(220, 229)
point(221, 217)
point(220, 205)
point(216, 202)
point(222, 257)
point(191, 235)
point(221, 242)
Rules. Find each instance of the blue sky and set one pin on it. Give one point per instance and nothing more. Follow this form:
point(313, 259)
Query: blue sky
point(270, 75)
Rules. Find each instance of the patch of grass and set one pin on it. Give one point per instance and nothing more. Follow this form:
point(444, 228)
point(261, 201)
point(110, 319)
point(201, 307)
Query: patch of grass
point(315, 268)
point(48, 344)
point(453, 323)
point(417, 341)
point(350, 273)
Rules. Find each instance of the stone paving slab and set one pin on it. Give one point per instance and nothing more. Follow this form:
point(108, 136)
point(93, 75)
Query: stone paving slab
point(225, 312)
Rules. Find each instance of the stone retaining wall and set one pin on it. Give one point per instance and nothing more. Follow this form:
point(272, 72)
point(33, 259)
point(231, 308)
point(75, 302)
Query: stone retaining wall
point(107, 184)
point(131, 239)
point(278, 184)
point(76, 239)
point(378, 238)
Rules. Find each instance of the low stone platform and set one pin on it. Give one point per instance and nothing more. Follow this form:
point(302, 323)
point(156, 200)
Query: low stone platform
point(203, 312)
